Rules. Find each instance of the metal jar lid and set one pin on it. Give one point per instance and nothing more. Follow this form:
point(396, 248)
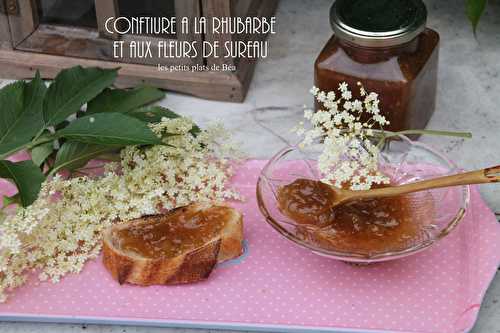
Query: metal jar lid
point(378, 23)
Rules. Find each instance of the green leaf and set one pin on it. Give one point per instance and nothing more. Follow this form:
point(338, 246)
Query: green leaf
point(34, 96)
point(74, 155)
point(27, 177)
point(42, 147)
point(71, 89)
point(154, 114)
point(109, 129)
point(7, 149)
point(195, 131)
point(123, 101)
point(40, 153)
point(475, 9)
point(15, 199)
point(21, 117)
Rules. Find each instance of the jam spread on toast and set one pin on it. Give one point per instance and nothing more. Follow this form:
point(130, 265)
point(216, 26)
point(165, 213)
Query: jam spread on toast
point(173, 234)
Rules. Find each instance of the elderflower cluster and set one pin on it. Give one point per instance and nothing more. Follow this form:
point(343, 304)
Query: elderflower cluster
point(62, 229)
point(349, 157)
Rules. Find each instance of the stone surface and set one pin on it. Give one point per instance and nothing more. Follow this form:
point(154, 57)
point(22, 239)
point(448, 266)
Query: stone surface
point(469, 99)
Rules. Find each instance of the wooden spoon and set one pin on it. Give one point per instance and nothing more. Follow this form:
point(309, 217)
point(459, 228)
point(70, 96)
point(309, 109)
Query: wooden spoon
point(489, 175)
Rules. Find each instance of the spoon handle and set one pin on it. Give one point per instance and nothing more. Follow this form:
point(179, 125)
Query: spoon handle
point(488, 175)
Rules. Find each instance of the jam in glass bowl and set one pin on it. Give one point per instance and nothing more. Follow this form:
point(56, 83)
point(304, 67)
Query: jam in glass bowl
point(364, 231)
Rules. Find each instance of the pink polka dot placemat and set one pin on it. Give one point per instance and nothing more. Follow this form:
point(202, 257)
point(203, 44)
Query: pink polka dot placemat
point(277, 286)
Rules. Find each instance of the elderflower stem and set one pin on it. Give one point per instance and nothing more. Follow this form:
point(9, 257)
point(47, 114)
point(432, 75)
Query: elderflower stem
point(388, 134)
point(30, 145)
point(466, 135)
point(39, 134)
point(112, 157)
point(40, 141)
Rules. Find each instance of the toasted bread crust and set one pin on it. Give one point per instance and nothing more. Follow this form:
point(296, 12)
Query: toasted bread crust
point(190, 267)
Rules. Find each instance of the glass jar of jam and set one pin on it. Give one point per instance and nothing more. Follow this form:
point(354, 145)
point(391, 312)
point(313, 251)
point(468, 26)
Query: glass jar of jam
point(385, 45)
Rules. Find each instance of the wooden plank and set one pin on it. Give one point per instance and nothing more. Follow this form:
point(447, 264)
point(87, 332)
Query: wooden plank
point(246, 67)
point(86, 43)
point(239, 8)
point(244, 8)
point(220, 9)
point(257, 8)
point(5, 38)
point(24, 21)
point(250, 8)
point(190, 9)
point(106, 9)
point(209, 85)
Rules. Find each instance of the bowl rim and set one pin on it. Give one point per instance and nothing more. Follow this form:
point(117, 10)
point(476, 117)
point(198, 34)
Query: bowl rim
point(353, 256)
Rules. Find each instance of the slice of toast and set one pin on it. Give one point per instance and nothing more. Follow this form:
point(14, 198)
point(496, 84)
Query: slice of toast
point(188, 254)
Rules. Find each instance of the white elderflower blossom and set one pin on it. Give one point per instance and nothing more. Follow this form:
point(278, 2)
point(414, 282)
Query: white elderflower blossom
point(314, 91)
point(348, 158)
point(331, 96)
point(62, 229)
point(308, 113)
point(347, 95)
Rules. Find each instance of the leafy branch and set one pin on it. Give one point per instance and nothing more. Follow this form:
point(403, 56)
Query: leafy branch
point(53, 126)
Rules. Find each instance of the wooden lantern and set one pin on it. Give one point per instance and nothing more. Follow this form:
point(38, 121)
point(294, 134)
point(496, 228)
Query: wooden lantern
point(49, 35)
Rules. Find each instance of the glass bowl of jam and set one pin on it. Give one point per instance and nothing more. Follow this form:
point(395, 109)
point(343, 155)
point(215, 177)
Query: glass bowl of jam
point(295, 203)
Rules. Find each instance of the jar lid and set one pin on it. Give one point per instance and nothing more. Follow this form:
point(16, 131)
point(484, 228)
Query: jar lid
point(378, 23)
